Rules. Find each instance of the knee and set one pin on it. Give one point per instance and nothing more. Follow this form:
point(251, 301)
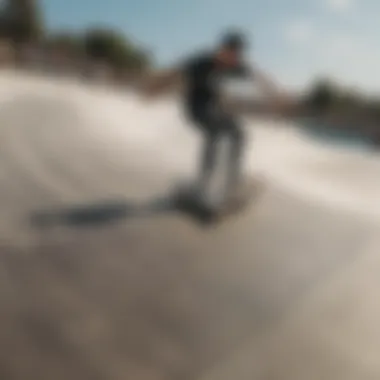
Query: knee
point(237, 134)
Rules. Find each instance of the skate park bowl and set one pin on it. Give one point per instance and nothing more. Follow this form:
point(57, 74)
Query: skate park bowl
point(285, 290)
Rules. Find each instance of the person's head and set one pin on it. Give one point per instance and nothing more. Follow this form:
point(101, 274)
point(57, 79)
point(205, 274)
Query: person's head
point(231, 48)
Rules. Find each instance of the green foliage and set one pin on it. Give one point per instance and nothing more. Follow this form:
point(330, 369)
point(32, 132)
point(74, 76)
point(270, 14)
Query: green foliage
point(327, 96)
point(22, 21)
point(114, 48)
point(68, 43)
point(322, 96)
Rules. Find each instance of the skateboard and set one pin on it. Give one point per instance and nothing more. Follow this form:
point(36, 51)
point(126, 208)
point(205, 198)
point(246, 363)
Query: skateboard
point(197, 206)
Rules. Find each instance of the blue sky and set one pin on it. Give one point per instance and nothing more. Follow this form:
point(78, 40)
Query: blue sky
point(293, 39)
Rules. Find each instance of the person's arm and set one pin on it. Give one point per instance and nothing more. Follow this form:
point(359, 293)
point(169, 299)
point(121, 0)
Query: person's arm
point(278, 97)
point(266, 84)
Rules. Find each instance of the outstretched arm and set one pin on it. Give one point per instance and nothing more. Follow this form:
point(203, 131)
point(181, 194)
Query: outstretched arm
point(266, 84)
point(279, 99)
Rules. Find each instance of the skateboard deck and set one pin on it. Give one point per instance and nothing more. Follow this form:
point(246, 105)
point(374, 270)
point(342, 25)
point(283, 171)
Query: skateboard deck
point(199, 208)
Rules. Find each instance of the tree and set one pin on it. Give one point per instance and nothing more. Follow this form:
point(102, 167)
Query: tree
point(111, 47)
point(322, 96)
point(23, 21)
point(68, 43)
point(3, 24)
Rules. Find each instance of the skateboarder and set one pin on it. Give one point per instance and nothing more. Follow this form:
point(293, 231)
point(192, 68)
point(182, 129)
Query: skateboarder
point(203, 75)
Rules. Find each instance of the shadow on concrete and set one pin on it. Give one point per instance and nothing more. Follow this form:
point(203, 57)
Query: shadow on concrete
point(114, 211)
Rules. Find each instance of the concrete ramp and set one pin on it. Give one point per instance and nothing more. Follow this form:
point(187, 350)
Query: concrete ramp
point(282, 285)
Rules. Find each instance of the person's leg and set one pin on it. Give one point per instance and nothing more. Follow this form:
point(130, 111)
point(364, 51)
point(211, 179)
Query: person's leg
point(235, 134)
point(208, 156)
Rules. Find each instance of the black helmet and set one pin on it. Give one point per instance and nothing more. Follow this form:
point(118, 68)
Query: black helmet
point(234, 40)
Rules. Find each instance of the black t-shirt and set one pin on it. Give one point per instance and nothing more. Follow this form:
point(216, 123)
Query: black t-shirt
point(204, 77)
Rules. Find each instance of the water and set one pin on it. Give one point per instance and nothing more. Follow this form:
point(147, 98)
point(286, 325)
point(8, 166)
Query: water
point(330, 135)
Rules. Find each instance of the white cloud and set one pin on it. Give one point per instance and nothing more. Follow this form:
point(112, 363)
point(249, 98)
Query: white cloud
point(350, 58)
point(318, 46)
point(299, 32)
point(339, 5)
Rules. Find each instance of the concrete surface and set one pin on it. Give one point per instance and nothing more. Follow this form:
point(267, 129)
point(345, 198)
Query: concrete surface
point(287, 290)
